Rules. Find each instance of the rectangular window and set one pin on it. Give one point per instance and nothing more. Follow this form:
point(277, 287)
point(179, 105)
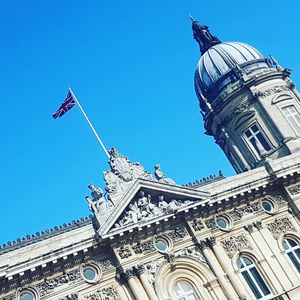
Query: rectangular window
point(257, 140)
point(292, 117)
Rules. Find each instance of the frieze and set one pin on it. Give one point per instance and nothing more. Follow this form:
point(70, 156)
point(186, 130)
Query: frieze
point(178, 234)
point(197, 225)
point(145, 208)
point(107, 293)
point(273, 90)
point(280, 226)
point(294, 190)
point(124, 252)
point(9, 297)
point(192, 251)
point(250, 208)
point(49, 285)
point(105, 265)
point(145, 248)
point(70, 297)
point(235, 243)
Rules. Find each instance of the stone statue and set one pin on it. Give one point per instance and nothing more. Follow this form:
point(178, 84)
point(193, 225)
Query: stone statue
point(160, 176)
point(98, 203)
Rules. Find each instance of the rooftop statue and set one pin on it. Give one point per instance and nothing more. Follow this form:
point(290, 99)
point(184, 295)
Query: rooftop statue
point(160, 176)
point(98, 203)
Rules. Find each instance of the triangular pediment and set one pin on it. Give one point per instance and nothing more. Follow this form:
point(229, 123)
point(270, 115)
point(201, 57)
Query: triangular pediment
point(147, 202)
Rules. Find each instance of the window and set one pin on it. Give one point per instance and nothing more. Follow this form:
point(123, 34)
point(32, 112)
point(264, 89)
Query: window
point(162, 244)
point(253, 278)
point(184, 291)
point(91, 273)
point(292, 249)
point(268, 206)
point(292, 117)
point(27, 295)
point(223, 223)
point(256, 140)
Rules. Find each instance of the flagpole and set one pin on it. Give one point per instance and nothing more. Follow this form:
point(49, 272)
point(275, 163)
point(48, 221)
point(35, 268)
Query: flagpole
point(89, 122)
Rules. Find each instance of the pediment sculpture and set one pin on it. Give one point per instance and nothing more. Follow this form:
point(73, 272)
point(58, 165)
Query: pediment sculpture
point(145, 208)
point(98, 203)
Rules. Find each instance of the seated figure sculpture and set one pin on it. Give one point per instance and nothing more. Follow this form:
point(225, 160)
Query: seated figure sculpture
point(98, 203)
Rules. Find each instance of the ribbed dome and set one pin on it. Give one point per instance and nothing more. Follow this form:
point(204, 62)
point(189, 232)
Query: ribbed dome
point(220, 59)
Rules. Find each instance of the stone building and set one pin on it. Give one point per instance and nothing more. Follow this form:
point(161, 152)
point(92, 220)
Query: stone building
point(214, 239)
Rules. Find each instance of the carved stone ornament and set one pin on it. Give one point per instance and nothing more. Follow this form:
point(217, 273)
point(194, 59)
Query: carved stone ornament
point(145, 247)
point(273, 90)
point(106, 293)
point(197, 225)
point(235, 243)
point(244, 105)
point(151, 269)
point(280, 226)
point(145, 208)
point(122, 174)
point(124, 252)
point(70, 297)
point(98, 203)
point(192, 251)
point(294, 190)
point(178, 234)
point(49, 285)
point(9, 297)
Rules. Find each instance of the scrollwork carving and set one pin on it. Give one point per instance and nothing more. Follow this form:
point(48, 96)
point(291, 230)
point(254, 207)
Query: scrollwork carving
point(146, 247)
point(294, 190)
point(280, 226)
point(178, 234)
point(192, 251)
point(197, 225)
point(106, 293)
point(235, 243)
point(124, 252)
point(49, 285)
point(70, 297)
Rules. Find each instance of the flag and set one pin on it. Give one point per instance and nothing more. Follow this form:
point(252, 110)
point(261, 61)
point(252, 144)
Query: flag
point(66, 106)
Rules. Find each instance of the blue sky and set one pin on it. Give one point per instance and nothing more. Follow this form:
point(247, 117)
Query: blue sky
point(131, 65)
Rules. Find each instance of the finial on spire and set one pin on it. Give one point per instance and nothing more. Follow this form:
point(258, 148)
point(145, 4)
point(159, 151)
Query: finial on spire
point(202, 35)
point(190, 16)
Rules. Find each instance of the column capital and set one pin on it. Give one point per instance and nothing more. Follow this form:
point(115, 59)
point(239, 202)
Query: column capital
point(128, 274)
point(139, 270)
point(202, 245)
point(211, 241)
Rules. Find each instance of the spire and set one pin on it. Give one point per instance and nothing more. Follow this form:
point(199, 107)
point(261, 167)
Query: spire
point(202, 35)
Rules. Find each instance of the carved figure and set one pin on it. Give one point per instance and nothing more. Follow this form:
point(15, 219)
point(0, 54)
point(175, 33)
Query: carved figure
point(98, 204)
point(160, 176)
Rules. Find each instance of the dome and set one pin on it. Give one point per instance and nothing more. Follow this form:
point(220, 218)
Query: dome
point(220, 59)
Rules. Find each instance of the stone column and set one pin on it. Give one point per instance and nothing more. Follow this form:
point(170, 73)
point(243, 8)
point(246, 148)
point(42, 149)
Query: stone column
point(223, 260)
point(217, 269)
point(145, 283)
point(275, 275)
point(134, 285)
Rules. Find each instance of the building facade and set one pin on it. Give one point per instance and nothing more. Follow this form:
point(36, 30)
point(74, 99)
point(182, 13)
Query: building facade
point(214, 239)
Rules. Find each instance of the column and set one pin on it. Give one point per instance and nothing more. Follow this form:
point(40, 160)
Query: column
point(275, 274)
point(134, 285)
point(217, 269)
point(233, 278)
point(145, 283)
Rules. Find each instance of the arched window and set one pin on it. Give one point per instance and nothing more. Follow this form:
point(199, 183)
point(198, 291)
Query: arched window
point(253, 278)
point(292, 249)
point(184, 291)
point(293, 117)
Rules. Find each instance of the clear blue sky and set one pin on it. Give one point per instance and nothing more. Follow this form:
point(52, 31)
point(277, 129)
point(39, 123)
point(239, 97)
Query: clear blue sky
point(131, 64)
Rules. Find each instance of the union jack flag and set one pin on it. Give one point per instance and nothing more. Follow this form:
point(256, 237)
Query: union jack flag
point(66, 106)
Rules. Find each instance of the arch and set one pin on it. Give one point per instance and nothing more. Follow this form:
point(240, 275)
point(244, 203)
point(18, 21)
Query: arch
point(242, 118)
point(281, 97)
point(189, 270)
